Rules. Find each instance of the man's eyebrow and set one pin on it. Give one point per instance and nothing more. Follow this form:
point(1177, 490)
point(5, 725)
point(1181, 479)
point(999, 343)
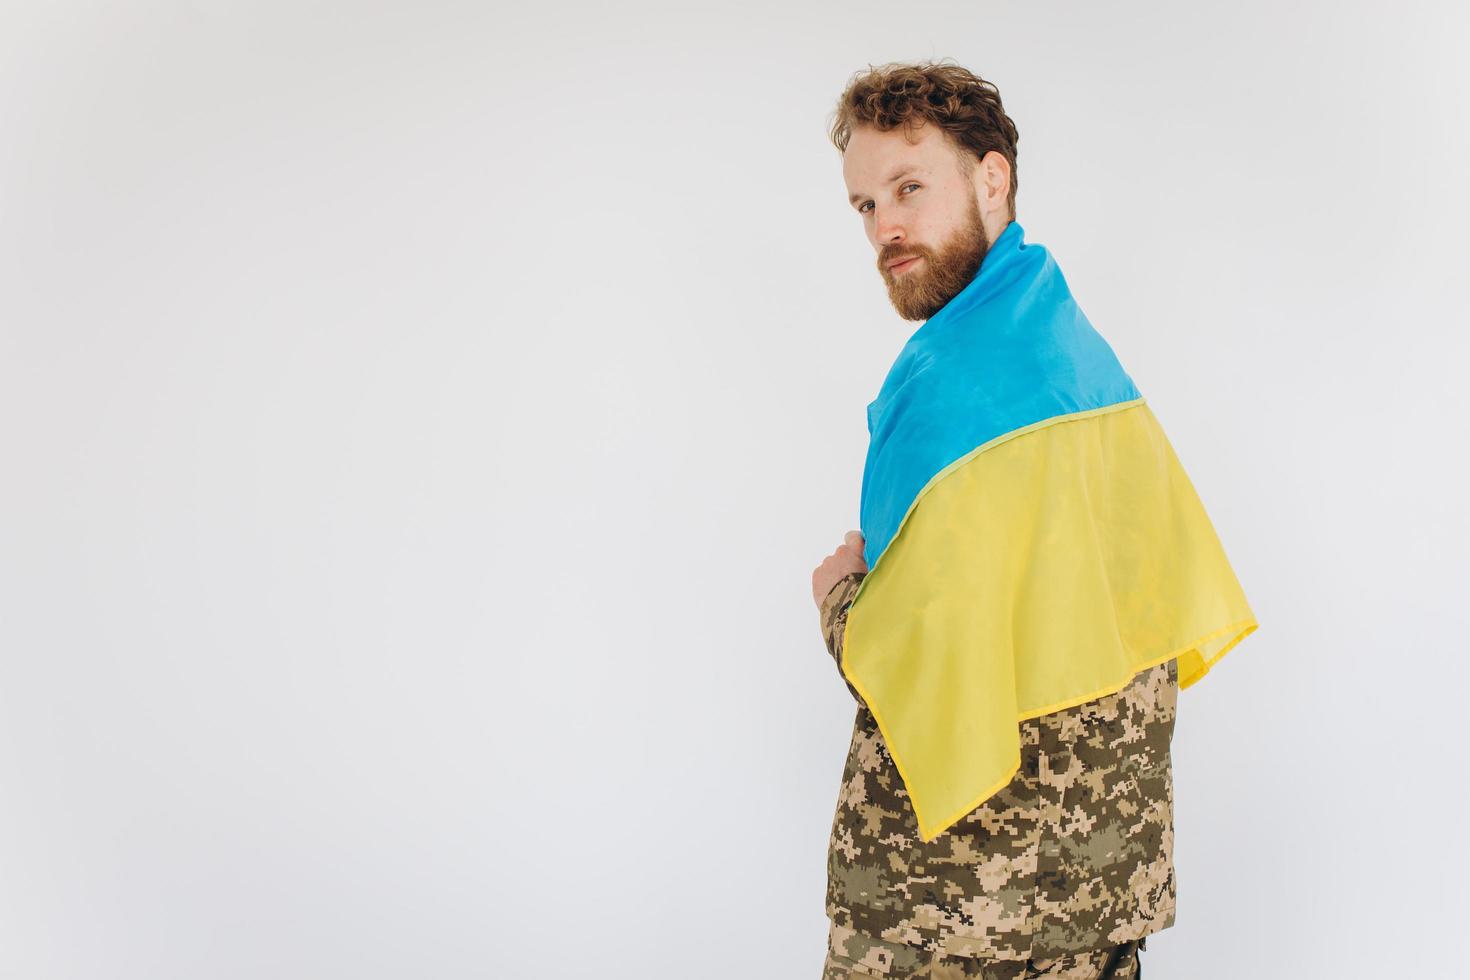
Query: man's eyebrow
point(901, 172)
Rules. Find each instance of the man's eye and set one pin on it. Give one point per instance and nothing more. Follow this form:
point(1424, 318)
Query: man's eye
point(864, 208)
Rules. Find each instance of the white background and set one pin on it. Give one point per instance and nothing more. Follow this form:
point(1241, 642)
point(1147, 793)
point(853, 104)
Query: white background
point(419, 423)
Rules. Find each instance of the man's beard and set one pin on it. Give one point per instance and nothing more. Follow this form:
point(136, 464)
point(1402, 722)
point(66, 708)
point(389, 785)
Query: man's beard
point(924, 290)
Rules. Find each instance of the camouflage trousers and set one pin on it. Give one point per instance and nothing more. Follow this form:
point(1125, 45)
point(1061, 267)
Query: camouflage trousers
point(851, 955)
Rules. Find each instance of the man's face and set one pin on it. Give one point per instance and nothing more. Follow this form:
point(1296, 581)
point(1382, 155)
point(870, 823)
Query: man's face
point(918, 206)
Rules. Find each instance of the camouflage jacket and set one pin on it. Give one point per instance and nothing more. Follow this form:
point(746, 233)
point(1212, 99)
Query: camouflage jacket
point(1076, 852)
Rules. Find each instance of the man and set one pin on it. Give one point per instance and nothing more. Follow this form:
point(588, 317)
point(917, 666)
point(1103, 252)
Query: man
point(1065, 870)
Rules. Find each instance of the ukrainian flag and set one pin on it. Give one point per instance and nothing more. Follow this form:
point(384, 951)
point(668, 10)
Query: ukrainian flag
point(1031, 537)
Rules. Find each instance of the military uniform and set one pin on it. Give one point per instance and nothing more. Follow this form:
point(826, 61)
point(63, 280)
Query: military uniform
point(1067, 867)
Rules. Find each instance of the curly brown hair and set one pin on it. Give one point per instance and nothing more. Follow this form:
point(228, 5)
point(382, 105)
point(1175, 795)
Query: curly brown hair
point(965, 106)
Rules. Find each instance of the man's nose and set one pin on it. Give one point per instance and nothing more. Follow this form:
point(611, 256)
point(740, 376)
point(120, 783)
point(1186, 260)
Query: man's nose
point(887, 231)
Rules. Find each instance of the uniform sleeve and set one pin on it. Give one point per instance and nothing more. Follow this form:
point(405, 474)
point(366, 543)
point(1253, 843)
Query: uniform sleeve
point(834, 622)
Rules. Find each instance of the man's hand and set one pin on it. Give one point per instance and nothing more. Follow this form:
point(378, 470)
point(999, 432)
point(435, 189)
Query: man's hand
point(848, 558)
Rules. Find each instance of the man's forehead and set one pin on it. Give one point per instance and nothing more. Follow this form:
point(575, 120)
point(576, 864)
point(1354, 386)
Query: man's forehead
point(876, 159)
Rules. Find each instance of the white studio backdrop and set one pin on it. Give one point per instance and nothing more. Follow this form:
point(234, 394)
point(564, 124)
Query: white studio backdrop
point(419, 423)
